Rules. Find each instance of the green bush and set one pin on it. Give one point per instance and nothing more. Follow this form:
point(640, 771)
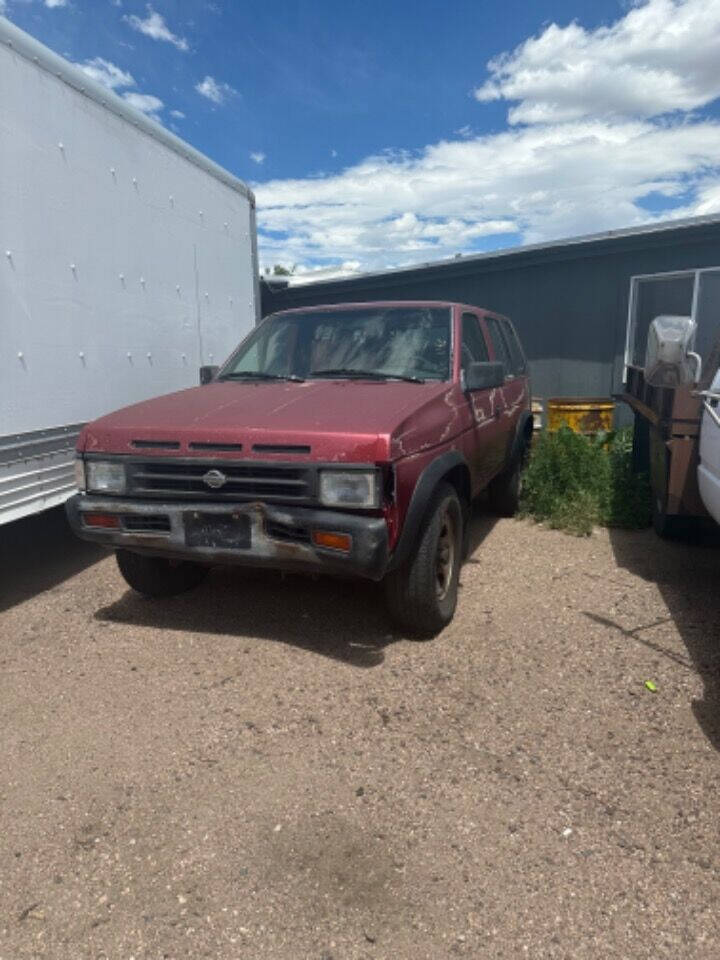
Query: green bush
point(573, 482)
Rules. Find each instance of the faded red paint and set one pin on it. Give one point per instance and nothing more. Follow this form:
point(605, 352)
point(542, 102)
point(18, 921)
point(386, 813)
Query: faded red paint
point(406, 425)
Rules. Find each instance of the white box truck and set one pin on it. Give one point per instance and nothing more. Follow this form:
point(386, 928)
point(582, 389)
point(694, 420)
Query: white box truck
point(127, 261)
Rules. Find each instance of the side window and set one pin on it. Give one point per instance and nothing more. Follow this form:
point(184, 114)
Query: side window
point(516, 354)
point(474, 348)
point(501, 348)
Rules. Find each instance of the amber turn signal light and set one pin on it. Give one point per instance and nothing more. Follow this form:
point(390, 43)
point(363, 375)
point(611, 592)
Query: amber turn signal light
point(110, 521)
point(332, 541)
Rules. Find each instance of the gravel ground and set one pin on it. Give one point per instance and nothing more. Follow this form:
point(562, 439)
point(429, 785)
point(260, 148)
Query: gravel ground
point(261, 769)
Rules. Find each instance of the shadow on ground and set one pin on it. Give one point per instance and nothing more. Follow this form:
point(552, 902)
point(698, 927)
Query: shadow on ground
point(688, 577)
point(38, 553)
point(344, 620)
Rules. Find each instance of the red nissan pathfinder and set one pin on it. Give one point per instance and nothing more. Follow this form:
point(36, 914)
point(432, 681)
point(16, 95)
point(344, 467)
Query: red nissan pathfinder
point(348, 439)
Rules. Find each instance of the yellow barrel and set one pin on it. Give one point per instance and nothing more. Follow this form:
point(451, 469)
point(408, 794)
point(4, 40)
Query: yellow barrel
point(581, 414)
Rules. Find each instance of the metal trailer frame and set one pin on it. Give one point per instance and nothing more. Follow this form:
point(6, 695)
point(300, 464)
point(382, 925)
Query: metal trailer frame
point(667, 424)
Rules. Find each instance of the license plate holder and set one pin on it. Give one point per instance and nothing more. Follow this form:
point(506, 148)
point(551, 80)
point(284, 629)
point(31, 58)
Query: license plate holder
point(218, 530)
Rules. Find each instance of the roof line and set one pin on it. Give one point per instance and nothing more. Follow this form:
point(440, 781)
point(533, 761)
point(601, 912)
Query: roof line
point(31, 49)
point(460, 259)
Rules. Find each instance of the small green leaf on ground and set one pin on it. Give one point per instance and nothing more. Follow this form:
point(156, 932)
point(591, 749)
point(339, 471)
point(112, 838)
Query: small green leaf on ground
point(651, 686)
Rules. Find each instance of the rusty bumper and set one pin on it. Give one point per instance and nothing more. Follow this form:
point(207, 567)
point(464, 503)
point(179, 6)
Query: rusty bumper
point(271, 536)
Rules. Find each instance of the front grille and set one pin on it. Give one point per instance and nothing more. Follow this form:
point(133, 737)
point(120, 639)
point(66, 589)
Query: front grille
point(243, 481)
point(138, 523)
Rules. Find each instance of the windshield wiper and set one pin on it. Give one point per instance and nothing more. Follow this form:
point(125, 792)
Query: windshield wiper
point(259, 375)
point(351, 372)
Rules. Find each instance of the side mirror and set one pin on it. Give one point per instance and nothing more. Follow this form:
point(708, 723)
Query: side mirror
point(208, 374)
point(484, 376)
point(669, 360)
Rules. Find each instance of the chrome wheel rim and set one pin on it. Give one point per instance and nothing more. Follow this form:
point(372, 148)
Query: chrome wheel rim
point(445, 556)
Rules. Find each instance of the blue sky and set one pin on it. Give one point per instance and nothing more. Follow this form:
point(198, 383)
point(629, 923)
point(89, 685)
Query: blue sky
point(383, 133)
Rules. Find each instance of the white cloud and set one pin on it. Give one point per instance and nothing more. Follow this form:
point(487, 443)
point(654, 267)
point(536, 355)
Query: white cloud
point(315, 275)
point(107, 73)
point(178, 114)
point(114, 78)
point(217, 92)
point(51, 4)
point(145, 102)
point(582, 153)
point(533, 183)
point(154, 26)
point(3, 7)
point(258, 157)
point(660, 57)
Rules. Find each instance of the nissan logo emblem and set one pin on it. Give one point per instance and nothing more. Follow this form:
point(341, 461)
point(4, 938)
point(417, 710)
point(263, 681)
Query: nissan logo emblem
point(215, 479)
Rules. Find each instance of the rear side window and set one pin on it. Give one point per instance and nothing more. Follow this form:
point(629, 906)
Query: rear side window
point(502, 351)
point(474, 348)
point(516, 355)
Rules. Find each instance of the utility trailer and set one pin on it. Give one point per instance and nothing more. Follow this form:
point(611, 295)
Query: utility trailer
point(128, 260)
point(669, 416)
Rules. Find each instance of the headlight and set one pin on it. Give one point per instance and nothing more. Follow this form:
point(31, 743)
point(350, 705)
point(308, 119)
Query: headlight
point(350, 488)
point(105, 477)
point(80, 474)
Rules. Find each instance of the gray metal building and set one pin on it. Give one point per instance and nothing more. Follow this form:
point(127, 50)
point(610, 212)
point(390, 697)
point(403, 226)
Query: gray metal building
point(569, 300)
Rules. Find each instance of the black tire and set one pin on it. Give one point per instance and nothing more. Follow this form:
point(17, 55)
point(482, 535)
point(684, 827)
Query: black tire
point(158, 577)
point(672, 526)
point(421, 595)
point(504, 491)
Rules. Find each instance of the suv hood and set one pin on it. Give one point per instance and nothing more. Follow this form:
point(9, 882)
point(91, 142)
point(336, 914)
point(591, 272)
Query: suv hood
point(338, 420)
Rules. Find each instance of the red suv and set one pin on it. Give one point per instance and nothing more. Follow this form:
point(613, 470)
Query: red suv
point(347, 439)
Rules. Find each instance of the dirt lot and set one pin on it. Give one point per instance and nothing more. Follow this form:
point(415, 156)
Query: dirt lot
point(262, 770)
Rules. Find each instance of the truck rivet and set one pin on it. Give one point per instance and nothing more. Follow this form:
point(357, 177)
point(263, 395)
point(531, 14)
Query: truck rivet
point(134, 180)
point(20, 354)
point(142, 280)
point(73, 267)
point(177, 287)
point(8, 254)
point(81, 355)
point(172, 200)
point(112, 171)
point(149, 356)
point(121, 277)
point(61, 146)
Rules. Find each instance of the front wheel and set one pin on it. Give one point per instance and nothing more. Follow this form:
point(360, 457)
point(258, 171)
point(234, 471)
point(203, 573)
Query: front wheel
point(158, 577)
point(421, 595)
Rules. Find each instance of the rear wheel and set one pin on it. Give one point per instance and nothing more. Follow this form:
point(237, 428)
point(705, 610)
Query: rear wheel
point(158, 577)
point(504, 491)
point(421, 595)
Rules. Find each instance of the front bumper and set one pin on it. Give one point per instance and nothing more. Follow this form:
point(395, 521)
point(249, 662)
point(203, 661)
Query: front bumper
point(279, 536)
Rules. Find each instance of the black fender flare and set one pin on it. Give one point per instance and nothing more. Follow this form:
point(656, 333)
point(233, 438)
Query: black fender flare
point(424, 489)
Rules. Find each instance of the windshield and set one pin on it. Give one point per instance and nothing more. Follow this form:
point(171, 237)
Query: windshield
point(408, 343)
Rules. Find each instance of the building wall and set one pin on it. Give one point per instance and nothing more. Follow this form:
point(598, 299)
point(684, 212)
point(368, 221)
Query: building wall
point(569, 302)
